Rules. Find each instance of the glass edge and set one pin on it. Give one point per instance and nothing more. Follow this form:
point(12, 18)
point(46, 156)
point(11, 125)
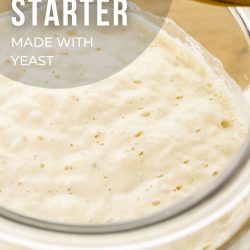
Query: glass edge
point(170, 213)
point(242, 19)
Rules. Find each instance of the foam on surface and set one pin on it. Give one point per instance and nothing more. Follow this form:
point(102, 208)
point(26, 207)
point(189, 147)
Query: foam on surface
point(119, 149)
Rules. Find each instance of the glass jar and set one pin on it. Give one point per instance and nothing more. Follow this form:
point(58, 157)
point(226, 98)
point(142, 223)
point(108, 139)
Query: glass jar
point(204, 221)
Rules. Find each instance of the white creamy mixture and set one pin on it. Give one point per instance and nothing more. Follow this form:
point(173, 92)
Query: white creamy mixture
point(119, 149)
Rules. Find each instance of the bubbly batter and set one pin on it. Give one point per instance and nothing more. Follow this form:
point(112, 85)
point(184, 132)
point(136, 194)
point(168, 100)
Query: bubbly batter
point(119, 149)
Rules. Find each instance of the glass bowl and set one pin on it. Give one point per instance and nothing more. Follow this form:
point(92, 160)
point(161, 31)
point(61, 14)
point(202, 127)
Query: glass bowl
point(205, 221)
